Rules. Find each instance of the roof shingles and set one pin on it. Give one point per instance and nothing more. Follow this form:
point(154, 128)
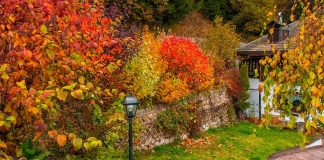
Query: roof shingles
point(262, 46)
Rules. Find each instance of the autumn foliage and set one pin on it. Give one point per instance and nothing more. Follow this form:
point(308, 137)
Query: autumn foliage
point(188, 70)
point(65, 68)
point(172, 90)
point(186, 61)
point(145, 69)
point(298, 70)
point(168, 69)
point(52, 54)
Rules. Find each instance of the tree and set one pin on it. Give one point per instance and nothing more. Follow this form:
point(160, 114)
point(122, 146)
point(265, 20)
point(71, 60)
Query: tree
point(247, 15)
point(221, 8)
point(251, 15)
point(177, 9)
point(244, 77)
point(147, 12)
point(241, 103)
point(299, 69)
point(187, 27)
point(153, 12)
point(222, 41)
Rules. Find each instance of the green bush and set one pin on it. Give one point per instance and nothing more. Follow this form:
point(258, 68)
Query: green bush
point(231, 114)
point(30, 151)
point(104, 153)
point(117, 127)
point(178, 119)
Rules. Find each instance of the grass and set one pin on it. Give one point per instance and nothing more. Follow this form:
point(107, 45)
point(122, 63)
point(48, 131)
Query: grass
point(238, 141)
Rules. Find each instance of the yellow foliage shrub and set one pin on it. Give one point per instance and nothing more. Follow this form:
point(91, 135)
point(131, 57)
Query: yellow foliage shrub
point(143, 72)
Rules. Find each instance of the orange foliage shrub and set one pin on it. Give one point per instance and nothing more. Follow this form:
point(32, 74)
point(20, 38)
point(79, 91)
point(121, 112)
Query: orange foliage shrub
point(172, 89)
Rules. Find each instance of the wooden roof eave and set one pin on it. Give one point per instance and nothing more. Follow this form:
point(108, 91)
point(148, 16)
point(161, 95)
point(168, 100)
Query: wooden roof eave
point(254, 54)
point(257, 53)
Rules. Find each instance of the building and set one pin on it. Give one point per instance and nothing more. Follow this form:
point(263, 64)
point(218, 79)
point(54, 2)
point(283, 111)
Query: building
point(252, 52)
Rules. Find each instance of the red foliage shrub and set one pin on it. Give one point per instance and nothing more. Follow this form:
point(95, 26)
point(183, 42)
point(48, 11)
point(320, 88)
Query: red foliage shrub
point(230, 79)
point(186, 61)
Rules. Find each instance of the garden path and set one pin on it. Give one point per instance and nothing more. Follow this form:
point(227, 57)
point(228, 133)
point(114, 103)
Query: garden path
point(316, 153)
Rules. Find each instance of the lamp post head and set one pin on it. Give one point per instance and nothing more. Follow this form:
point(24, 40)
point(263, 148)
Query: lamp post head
point(130, 102)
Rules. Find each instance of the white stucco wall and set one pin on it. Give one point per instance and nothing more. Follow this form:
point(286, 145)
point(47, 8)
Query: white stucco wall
point(254, 98)
point(254, 101)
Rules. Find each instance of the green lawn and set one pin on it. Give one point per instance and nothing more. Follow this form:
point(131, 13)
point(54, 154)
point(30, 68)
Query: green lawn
point(238, 141)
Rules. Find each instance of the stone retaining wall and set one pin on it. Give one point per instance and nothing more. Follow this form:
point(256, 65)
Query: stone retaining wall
point(212, 113)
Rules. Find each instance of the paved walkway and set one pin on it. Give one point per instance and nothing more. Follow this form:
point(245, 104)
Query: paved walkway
point(308, 154)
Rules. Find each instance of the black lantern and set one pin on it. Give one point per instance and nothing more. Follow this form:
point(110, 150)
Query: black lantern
point(130, 103)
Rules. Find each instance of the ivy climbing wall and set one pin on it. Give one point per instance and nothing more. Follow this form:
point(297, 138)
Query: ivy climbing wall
point(212, 111)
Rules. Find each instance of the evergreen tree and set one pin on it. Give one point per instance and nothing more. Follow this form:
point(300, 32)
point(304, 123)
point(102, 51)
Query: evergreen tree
point(244, 77)
point(242, 101)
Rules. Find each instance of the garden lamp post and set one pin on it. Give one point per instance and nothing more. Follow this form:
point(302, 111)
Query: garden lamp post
point(130, 102)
